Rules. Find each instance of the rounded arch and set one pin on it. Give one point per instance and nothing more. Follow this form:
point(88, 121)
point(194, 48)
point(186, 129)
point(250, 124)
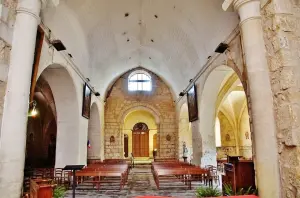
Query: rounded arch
point(67, 110)
point(139, 106)
point(207, 113)
point(94, 134)
point(218, 81)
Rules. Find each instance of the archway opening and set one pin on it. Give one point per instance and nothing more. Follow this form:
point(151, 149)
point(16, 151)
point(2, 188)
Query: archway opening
point(232, 113)
point(140, 129)
point(225, 128)
point(42, 129)
point(185, 134)
point(52, 134)
point(58, 89)
point(94, 134)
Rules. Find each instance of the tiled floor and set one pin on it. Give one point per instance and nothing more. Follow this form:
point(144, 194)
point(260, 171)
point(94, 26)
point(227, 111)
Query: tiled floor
point(140, 182)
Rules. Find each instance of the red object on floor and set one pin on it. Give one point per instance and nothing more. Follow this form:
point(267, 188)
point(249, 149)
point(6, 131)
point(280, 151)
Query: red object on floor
point(244, 196)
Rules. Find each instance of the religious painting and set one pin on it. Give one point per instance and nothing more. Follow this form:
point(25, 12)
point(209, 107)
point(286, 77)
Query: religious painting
point(192, 103)
point(86, 103)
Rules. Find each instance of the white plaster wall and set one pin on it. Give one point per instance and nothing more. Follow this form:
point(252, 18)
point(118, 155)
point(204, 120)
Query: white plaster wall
point(64, 25)
point(79, 133)
point(2, 94)
point(94, 134)
point(185, 131)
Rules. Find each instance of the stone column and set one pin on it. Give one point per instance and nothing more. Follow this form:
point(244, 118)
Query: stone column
point(14, 122)
point(261, 98)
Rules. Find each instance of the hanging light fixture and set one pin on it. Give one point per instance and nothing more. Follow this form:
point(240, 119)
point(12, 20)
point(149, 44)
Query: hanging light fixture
point(33, 111)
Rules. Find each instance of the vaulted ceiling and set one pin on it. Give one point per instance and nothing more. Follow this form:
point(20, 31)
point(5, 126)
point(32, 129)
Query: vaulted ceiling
point(172, 38)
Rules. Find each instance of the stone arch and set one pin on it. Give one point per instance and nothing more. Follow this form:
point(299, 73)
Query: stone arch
point(233, 68)
point(94, 133)
point(67, 110)
point(207, 114)
point(140, 106)
point(210, 104)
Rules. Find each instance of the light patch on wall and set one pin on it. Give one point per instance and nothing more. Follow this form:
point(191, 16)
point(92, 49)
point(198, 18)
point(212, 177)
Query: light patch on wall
point(218, 133)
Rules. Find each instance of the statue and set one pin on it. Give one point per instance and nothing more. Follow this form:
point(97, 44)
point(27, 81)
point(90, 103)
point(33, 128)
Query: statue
point(185, 152)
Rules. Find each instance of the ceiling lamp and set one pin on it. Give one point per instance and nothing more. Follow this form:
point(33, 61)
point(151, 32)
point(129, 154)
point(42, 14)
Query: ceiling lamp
point(181, 94)
point(58, 45)
point(222, 47)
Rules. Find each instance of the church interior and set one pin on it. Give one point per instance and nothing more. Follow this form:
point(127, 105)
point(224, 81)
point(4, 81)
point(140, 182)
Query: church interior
point(149, 98)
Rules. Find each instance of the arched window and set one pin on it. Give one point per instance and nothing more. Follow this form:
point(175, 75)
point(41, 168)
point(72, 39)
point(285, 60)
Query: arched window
point(218, 133)
point(139, 81)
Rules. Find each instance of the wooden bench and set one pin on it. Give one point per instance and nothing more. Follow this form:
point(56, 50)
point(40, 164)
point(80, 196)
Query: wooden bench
point(179, 171)
point(99, 177)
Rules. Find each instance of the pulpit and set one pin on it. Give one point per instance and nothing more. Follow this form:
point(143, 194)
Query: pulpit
point(239, 173)
point(41, 188)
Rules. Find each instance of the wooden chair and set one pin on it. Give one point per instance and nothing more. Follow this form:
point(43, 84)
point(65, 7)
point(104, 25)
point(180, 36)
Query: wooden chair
point(213, 176)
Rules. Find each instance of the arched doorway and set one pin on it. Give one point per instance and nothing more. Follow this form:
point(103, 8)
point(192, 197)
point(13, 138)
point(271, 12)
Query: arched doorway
point(94, 134)
point(140, 140)
point(140, 134)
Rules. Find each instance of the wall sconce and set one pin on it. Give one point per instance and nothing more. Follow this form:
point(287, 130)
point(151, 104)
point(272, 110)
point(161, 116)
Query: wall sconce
point(33, 112)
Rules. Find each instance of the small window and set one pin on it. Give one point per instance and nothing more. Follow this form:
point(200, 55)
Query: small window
point(218, 133)
point(139, 81)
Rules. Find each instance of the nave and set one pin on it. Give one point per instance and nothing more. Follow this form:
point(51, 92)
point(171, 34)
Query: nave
point(140, 183)
point(206, 82)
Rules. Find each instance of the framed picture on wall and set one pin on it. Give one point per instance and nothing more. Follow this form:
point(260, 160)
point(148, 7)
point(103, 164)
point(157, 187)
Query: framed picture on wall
point(192, 103)
point(86, 102)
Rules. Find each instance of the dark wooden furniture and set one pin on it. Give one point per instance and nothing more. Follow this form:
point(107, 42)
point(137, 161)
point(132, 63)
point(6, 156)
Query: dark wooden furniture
point(170, 171)
point(41, 188)
point(239, 173)
point(104, 173)
point(73, 168)
point(140, 143)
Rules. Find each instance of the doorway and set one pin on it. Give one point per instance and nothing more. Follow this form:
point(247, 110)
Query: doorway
point(140, 140)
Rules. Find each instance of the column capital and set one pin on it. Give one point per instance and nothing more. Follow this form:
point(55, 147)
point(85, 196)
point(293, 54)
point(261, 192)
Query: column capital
point(247, 9)
point(46, 3)
point(231, 5)
point(30, 7)
point(238, 3)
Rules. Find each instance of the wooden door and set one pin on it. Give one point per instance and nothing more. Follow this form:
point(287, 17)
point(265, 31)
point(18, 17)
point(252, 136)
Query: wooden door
point(140, 140)
point(155, 141)
point(126, 145)
point(140, 143)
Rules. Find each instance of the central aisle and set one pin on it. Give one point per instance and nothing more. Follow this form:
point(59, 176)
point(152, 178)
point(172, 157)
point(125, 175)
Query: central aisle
point(140, 183)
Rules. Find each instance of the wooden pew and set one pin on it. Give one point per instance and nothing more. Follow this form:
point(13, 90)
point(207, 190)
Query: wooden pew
point(99, 175)
point(171, 171)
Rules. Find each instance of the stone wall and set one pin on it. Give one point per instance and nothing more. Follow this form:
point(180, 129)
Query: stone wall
point(121, 102)
point(281, 23)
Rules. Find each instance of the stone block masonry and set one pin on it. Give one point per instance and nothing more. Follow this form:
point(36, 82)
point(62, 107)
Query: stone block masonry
point(158, 102)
